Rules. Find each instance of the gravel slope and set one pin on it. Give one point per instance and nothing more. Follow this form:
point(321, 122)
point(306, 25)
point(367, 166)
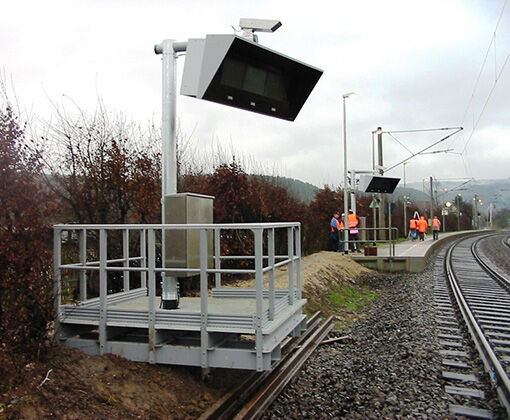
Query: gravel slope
point(389, 369)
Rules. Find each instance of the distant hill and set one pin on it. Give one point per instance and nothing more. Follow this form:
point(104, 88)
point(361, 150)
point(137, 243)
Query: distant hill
point(496, 191)
point(303, 191)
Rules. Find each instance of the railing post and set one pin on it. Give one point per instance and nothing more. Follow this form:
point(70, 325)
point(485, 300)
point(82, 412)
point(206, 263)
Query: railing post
point(204, 338)
point(83, 261)
point(57, 286)
point(103, 290)
point(290, 246)
point(259, 293)
point(125, 255)
point(270, 252)
point(217, 255)
point(152, 293)
point(298, 261)
point(143, 254)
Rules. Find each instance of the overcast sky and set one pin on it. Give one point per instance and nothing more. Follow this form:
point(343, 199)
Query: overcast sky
point(412, 64)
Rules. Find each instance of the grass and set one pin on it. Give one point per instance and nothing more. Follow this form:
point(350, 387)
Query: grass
point(350, 297)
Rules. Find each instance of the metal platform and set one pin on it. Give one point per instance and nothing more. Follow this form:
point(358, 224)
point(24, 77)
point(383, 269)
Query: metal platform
point(223, 327)
point(410, 256)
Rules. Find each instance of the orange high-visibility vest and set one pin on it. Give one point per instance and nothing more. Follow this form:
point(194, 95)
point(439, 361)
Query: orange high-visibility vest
point(341, 225)
point(413, 224)
point(436, 224)
point(422, 225)
point(352, 221)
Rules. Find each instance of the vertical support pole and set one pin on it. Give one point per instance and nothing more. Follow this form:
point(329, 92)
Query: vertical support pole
point(204, 338)
point(83, 261)
point(103, 290)
point(382, 196)
point(298, 261)
point(143, 255)
point(125, 256)
point(217, 255)
point(346, 193)
point(259, 290)
point(271, 262)
point(431, 200)
point(405, 201)
point(57, 286)
point(152, 293)
point(290, 247)
point(168, 49)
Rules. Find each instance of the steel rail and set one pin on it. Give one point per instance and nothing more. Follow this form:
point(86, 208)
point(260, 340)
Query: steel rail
point(231, 404)
point(506, 241)
point(492, 365)
point(278, 379)
point(503, 281)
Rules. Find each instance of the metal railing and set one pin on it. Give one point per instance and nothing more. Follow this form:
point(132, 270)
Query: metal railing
point(265, 262)
point(392, 234)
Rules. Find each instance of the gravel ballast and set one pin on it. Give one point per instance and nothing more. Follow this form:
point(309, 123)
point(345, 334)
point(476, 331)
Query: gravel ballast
point(389, 368)
point(498, 253)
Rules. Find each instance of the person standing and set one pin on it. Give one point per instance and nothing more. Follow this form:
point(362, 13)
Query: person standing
point(422, 227)
point(341, 233)
point(333, 234)
point(436, 226)
point(413, 225)
point(353, 222)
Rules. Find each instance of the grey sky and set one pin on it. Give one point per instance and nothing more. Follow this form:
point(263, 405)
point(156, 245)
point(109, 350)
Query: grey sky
point(412, 65)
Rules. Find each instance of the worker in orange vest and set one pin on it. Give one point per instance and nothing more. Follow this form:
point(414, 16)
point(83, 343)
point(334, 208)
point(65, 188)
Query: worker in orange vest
point(341, 233)
point(422, 227)
point(436, 226)
point(352, 223)
point(413, 225)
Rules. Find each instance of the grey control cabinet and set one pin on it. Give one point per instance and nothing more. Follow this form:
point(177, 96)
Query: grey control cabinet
point(182, 247)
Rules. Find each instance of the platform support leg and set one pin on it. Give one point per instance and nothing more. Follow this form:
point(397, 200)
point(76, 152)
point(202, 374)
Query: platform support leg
point(290, 244)
point(103, 290)
point(57, 286)
point(204, 336)
point(143, 254)
point(152, 294)
point(83, 261)
point(270, 251)
point(259, 285)
point(125, 256)
point(297, 232)
point(217, 260)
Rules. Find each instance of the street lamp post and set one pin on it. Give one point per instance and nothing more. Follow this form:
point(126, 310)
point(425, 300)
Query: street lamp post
point(346, 196)
point(458, 210)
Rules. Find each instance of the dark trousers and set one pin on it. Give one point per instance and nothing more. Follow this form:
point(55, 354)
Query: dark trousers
point(333, 241)
point(422, 236)
point(435, 234)
point(354, 246)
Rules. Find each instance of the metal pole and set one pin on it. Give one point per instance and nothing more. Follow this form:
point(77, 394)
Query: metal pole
point(168, 49)
point(382, 205)
point(405, 203)
point(431, 200)
point(353, 191)
point(458, 211)
point(346, 197)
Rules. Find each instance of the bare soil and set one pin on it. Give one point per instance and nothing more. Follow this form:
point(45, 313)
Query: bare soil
point(82, 386)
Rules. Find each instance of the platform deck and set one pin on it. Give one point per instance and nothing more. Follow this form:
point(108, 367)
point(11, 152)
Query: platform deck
point(409, 255)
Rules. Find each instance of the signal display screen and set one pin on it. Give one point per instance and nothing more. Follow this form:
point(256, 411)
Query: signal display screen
point(266, 82)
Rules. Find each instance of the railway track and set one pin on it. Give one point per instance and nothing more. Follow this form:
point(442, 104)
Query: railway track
point(482, 295)
point(254, 395)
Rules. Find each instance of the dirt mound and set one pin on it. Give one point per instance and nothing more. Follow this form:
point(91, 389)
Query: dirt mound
point(319, 272)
